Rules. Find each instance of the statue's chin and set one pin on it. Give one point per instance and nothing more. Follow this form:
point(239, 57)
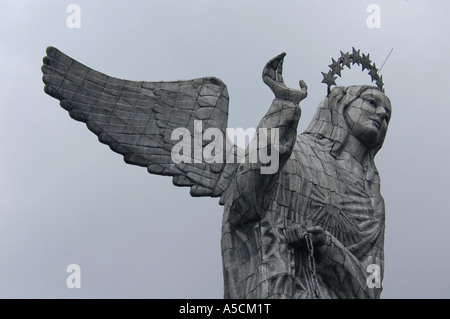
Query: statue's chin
point(371, 139)
point(367, 136)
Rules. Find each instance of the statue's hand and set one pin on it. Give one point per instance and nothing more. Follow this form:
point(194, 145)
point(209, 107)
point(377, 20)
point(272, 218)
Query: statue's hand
point(317, 234)
point(272, 76)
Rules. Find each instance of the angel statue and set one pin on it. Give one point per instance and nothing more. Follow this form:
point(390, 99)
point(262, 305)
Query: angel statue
point(306, 220)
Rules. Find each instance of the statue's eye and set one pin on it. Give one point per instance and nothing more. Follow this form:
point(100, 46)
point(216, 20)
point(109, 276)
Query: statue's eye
point(373, 102)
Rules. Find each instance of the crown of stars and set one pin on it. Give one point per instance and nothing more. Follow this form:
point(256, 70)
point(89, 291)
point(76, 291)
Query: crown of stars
point(347, 59)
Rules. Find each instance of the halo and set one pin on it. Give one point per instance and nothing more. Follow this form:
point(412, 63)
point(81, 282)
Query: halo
point(348, 59)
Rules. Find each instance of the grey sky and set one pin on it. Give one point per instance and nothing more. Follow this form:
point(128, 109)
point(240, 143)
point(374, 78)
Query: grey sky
point(65, 198)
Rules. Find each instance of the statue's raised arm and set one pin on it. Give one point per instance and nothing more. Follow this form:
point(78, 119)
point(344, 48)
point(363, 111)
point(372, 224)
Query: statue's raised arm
point(284, 113)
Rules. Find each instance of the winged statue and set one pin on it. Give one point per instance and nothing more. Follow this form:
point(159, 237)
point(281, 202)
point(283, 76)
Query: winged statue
point(303, 213)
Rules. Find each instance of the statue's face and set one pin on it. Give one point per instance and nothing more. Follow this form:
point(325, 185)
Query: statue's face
point(368, 116)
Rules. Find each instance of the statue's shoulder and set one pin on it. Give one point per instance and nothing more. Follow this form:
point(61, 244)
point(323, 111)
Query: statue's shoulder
point(309, 154)
point(305, 145)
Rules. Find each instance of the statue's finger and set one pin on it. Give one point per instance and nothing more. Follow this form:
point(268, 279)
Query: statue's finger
point(271, 66)
point(314, 229)
point(280, 71)
point(273, 63)
point(304, 87)
point(269, 80)
point(280, 78)
point(269, 73)
point(280, 66)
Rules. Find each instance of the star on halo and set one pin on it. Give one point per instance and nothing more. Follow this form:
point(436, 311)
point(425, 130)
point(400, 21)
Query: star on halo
point(355, 56)
point(373, 72)
point(336, 67)
point(345, 59)
point(380, 82)
point(329, 78)
point(365, 62)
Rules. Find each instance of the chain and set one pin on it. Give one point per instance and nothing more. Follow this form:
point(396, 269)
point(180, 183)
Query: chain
point(312, 263)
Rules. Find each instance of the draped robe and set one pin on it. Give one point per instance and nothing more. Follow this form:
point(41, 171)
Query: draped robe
point(312, 187)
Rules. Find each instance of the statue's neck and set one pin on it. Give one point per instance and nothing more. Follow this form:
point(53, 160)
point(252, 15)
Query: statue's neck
point(354, 150)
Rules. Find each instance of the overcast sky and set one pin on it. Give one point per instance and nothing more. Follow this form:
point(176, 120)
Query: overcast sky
point(67, 199)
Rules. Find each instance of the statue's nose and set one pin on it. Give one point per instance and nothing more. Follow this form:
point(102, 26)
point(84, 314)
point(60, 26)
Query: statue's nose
point(381, 112)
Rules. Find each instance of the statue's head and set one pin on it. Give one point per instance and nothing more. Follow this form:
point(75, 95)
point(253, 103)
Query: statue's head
point(368, 116)
point(362, 111)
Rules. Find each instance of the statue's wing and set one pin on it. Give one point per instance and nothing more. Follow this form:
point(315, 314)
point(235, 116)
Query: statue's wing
point(136, 119)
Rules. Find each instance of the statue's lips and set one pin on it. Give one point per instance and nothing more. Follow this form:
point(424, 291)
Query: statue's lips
point(377, 122)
